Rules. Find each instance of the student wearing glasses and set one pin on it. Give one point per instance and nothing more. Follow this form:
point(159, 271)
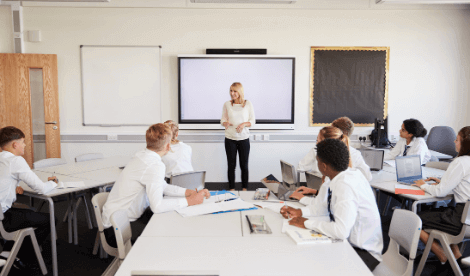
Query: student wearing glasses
point(411, 142)
point(349, 203)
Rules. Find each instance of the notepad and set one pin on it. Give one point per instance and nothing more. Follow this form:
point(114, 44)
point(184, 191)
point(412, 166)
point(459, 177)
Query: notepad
point(407, 190)
point(305, 236)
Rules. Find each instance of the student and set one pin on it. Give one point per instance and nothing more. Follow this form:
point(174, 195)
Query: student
point(309, 162)
point(178, 159)
point(141, 186)
point(455, 180)
point(411, 142)
point(349, 202)
point(13, 169)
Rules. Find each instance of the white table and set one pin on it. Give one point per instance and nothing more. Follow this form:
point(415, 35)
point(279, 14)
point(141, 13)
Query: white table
point(87, 166)
point(437, 154)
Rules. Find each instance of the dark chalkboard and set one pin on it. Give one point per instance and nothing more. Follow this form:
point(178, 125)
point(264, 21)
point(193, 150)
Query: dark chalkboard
point(348, 81)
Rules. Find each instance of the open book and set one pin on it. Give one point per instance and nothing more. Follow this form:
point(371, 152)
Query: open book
point(306, 236)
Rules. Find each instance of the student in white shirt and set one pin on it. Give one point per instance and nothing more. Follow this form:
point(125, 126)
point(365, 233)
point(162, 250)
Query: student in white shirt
point(455, 180)
point(411, 142)
point(349, 203)
point(178, 159)
point(237, 116)
point(141, 186)
point(13, 169)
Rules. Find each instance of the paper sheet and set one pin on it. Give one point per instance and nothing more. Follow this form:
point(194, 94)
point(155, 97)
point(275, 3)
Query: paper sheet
point(211, 207)
point(76, 184)
point(274, 206)
point(390, 163)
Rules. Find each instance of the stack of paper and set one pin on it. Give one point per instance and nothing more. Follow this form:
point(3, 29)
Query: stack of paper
point(212, 206)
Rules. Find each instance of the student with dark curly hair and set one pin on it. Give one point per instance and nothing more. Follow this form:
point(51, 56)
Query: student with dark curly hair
point(348, 201)
point(455, 180)
point(411, 142)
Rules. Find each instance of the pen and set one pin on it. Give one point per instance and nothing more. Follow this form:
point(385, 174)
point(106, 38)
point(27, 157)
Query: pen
point(249, 223)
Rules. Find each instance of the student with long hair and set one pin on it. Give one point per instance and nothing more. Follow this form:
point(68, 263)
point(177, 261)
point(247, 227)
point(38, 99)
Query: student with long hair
point(455, 180)
point(237, 116)
point(411, 142)
point(178, 159)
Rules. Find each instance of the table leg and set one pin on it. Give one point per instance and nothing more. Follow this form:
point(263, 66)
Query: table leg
point(69, 226)
point(75, 231)
point(414, 207)
point(53, 237)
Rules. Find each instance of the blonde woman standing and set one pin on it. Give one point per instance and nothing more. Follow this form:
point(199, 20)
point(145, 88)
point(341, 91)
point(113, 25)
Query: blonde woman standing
point(237, 116)
point(178, 159)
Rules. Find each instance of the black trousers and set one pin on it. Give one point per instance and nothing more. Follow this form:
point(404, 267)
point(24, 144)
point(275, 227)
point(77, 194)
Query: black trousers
point(137, 228)
point(15, 219)
point(370, 261)
point(243, 148)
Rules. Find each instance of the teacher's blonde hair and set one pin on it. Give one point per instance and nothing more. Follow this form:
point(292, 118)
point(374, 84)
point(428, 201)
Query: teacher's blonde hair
point(240, 91)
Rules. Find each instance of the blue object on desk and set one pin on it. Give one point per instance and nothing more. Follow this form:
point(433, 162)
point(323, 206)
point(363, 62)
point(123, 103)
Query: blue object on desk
point(213, 193)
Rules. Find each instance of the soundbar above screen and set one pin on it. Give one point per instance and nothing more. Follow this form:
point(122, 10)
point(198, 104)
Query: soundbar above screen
point(204, 85)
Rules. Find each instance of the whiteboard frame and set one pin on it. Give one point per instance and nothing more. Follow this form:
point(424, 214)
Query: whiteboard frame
point(82, 81)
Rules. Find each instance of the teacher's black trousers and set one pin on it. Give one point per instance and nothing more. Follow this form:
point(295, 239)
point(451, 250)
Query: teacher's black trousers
point(243, 148)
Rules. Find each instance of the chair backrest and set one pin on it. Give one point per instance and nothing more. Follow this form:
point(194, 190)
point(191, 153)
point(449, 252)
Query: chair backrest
point(49, 162)
point(89, 156)
point(441, 139)
point(466, 214)
point(98, 202)
point(289, 174)
point(438, 165)
point(123, 232)
point(189, 180)
point(313, 181)
point(405, 229)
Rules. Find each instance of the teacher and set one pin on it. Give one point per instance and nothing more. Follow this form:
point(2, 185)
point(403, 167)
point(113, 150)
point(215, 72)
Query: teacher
point(237, 116)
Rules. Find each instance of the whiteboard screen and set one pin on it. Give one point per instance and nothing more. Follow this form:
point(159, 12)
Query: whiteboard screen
point(121, 85)
point(204, 84)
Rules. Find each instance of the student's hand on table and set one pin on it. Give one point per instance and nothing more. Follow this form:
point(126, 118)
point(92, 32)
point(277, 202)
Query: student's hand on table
point(195, 198)
point(419, 183)
point(435, 179)
point(298, 221)
point(227, 124)
point(289, 212)
point(189, 192)
point(205, 193)
point(19, 190)
point(306, 191)
point(296, 195)
point(53, 178)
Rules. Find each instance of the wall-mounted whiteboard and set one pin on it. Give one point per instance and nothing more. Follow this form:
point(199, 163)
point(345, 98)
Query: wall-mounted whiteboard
point(204, 84)
point(121, 85)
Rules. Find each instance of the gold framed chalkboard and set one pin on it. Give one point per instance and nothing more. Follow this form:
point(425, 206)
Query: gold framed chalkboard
point(348, 81)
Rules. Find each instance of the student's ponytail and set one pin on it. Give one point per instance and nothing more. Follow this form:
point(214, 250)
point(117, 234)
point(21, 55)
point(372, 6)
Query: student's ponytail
point(415, 128)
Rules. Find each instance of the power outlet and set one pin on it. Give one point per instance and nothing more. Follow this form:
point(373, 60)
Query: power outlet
point(257, 137)
point(112, 137)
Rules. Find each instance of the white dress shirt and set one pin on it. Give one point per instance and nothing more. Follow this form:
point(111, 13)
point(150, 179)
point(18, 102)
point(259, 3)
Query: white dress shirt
point(417, 147)
point(236, 115)
point(456, 179)
point(309, 162)
point(14, 169)
point(355, 211)
point(178, 159)
point(142, 184)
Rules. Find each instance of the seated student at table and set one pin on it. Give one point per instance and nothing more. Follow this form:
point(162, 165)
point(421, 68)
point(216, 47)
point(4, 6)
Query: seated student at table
point(178, 159)
point(13, 169)
point(141, 186)
point(411, 142)
point(456, 180)
point(347, 200)
point(347, 127)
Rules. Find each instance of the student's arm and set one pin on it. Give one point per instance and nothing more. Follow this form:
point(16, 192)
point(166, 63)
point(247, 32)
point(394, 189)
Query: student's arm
point(317, 206)
point(21, 169)
point(360, 164)
point(395, 151)
point(155, 186)
point(451, 179)
point(345, 214)
point(309, 162)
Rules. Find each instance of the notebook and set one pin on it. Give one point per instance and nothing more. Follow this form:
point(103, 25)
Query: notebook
point(306, 236)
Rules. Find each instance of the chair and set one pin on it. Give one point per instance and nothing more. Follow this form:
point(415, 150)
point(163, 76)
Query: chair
point(89, 156)
point(404, 232)
point(18, 236)
point(447, 239)
point(49, 162)
point(441, 139)
point(313, 181)
point(123, 233)
point(189, 180)
point(438, 165)
point(290, 177)
point(98, 202)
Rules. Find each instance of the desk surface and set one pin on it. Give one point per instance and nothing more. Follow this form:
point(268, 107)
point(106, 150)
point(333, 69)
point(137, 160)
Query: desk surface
point(433, 152)
point(88, 166)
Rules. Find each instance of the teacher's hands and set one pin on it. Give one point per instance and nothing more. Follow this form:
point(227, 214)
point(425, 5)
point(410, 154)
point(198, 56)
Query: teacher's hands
point(227, 124)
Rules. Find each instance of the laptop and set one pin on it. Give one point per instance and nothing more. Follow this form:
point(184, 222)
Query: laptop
point(373, 158)
point(277, 188)
point(408, 169)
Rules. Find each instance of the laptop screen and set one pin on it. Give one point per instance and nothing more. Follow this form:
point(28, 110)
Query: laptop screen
point(408, 168)
point(374, 159)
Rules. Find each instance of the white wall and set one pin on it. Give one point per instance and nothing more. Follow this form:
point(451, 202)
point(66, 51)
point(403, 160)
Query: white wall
point(429, 61)
point(6, 30)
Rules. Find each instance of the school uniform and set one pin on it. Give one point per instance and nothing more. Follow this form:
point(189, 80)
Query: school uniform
point(353, 214)
point(14, 169)
point(178, 159)
point(417, 146)
point(141, 185)
point(309, 162)
point(456, 179)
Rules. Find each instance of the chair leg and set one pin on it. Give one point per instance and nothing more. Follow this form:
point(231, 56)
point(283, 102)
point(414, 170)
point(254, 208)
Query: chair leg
point(38, 253)
point(97, 243)
point(419, 270)
point(13, 253)
point(451, 259)
point(75, 226)
point(69, 226)
point(389, 199)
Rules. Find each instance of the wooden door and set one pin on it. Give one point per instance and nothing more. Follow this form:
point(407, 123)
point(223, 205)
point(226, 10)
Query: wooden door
point(15, 98)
